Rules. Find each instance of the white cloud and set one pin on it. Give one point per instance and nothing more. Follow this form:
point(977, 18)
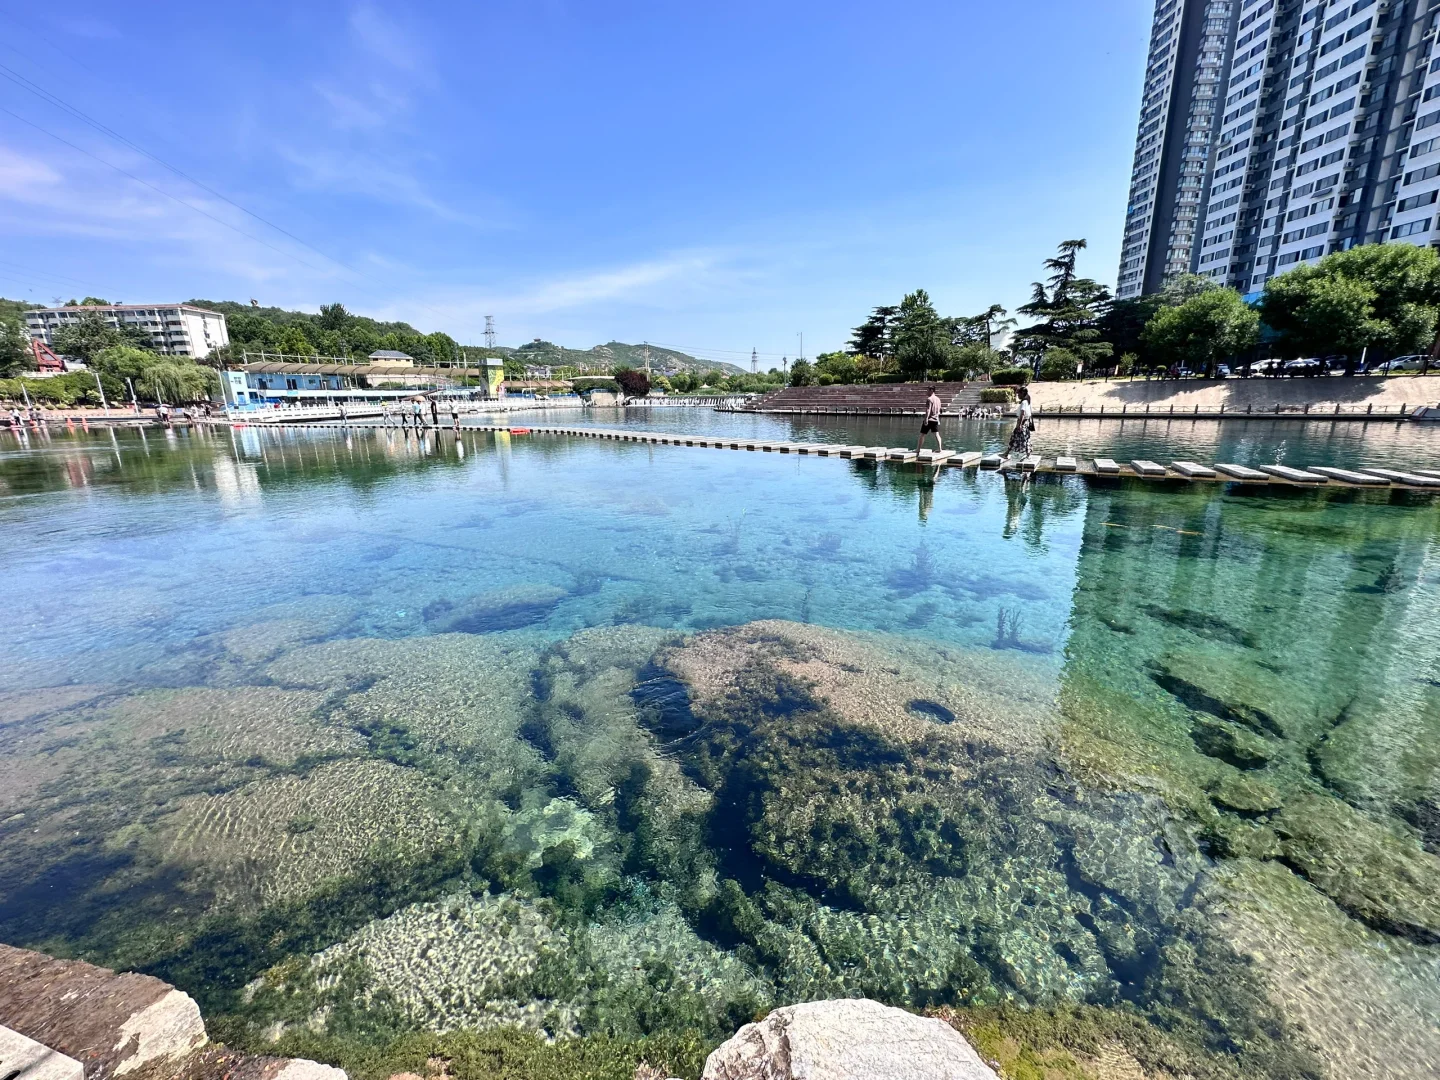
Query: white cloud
point(384, 39)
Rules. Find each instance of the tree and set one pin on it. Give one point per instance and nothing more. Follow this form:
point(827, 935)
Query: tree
point(94, 301)
point(15, 354)
point(1069, 310)
point(1200, 332)
point(333, 317)
point(636, 384)
point(837, 367)
point(921, 339)
point(872, 337)
point(294, 342)
point(802, 373)
point(86, 337)
point(1384, 297)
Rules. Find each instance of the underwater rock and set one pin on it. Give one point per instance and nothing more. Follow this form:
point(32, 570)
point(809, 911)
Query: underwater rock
point(489, 612)
point(1231, 743)
point(1245, 794)
point(1243, 840)
point(1225, 707)
point(1365, 1000)
point(846, 1040)
point(1386, 881)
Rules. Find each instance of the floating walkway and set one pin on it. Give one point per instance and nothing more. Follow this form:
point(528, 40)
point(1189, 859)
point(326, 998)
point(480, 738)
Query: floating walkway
point(1275, 476)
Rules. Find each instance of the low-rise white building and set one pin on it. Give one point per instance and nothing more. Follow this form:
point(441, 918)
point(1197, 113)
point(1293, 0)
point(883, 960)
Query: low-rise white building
point(174, 329)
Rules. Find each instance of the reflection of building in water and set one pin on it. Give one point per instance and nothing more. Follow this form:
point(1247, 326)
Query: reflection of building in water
point(1297, 634)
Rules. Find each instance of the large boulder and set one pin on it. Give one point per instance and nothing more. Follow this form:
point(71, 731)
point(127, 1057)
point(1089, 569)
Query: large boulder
point(846, 1040)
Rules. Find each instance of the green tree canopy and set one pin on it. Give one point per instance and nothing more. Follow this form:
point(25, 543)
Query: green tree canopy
point(86, 337)
point(14, 346)
point(872, 337)
point(1068, 310)
point(1210, 326)
point(921, 339)
point(802, 373)
point(1385, 297)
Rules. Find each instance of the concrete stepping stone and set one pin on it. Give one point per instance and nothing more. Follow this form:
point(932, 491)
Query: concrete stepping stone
point(900, 453)
point(1106, 467)
point(1243, 472)
point(1030, 464)
point(1363, 479)
point(1192, 470)
point(1147, 468)
point(1413, 479)
point(1295, 476)
point(935, 457)
point(1066, 464)
point(966, 459)
point(876, 453)
point(991, 461)
point(1434, 473)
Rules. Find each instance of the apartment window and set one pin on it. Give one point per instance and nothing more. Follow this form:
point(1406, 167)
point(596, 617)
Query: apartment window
point(1423, 199)
point(1289, 257)
point(1428, 120)
point(1303, 190)
point(1410, 228)
point(1423, 174)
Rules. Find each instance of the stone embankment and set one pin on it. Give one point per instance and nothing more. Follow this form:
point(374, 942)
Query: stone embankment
point(68, 1020)
point(1384, 393)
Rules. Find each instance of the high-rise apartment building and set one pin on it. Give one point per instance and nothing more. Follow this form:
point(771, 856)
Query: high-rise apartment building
point(1326, 134)
point(175, 329)
point(1178, 114)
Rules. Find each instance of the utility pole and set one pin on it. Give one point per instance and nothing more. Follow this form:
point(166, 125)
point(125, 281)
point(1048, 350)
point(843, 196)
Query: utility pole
point(802, 344)
point(489, 331)
point(647, 360)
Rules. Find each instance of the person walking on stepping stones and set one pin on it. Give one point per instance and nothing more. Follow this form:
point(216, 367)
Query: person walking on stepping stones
point(931, 423)
point(1024, 426)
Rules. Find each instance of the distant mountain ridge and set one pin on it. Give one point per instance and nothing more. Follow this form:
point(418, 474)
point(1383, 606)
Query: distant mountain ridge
point(615, 354)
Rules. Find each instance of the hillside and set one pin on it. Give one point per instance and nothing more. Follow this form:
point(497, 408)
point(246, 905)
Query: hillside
point(613, 354)
point(281, 330)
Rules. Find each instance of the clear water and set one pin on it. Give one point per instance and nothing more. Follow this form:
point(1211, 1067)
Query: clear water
point(611, 738)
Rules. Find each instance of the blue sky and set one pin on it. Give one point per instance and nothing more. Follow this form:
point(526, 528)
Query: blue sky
point(711, 176)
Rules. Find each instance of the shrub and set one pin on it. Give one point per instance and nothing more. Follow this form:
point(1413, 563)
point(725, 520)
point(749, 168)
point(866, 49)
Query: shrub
point(1015, 376)
point(887, 377)
point(581, 385)
point(997, 395)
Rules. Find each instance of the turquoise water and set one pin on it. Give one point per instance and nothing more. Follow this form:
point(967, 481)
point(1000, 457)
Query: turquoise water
point(351, 734)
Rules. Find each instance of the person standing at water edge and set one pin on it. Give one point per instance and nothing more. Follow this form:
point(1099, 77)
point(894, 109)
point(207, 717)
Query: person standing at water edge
point(1024, 426)
point(931, 423)
point(434, 414)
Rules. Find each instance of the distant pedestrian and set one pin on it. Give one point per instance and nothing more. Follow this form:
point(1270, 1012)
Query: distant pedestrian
point(455, 416)
point(434, 414)
point(418, 415)
point(931, 423)
point(1024, 426)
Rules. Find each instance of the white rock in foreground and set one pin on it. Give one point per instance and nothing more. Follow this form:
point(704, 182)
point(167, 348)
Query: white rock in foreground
point(846, 1040)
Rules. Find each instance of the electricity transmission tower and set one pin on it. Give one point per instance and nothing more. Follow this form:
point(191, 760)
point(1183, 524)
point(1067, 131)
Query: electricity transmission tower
point(754, 361)
point(489, 331)
point(647, 360)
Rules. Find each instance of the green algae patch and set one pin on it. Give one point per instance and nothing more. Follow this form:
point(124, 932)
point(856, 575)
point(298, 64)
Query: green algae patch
point(504, 1054)
point(1087, 1042)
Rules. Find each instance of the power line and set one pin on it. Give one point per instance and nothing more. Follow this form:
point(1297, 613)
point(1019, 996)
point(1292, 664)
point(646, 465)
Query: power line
point(159, 191)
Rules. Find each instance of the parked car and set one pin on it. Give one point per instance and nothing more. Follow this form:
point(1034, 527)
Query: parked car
point(1413, 362)
point(1268, 367)
point(1222, 371)
point(1306, 366)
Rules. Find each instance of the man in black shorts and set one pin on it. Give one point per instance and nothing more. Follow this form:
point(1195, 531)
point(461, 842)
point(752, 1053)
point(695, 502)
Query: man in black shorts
point(931, 422)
